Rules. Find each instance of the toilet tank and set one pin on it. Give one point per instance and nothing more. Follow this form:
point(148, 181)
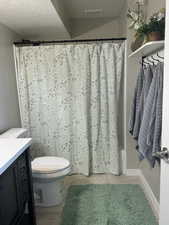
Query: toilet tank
point(15, 133)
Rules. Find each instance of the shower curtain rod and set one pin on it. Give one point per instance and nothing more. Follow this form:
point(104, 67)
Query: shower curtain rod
point(37, 43)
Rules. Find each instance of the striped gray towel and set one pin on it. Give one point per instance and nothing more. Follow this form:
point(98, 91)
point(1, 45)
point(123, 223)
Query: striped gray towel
point(150, 130)
point(135, 107)
point(141, 92)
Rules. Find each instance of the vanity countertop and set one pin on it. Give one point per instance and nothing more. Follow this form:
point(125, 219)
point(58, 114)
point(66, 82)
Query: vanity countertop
point(11, 149)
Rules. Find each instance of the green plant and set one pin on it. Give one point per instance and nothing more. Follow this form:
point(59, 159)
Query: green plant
point(156, 24)
point(137, 19)
point(142, 30)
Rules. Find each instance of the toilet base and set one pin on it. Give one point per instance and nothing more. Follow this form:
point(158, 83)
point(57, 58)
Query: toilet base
point(48, 192)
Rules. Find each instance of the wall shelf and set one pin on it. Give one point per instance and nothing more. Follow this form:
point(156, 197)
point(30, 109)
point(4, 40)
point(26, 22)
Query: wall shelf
point(148, 49)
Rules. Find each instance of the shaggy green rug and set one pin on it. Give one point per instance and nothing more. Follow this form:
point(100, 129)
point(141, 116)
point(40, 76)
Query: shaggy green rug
point(107, 204)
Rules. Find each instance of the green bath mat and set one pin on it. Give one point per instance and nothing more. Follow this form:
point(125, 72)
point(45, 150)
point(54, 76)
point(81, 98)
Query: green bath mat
point(107, 204)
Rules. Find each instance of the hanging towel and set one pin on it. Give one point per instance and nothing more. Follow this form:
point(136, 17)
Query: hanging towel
point(148, 75)
point(150, 130)
point(157, 124)
point(147, 79)
point(135, 107)
point(141, 92)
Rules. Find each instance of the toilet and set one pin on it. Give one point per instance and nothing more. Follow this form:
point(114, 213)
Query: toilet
point(48, 174)
point(48, 177)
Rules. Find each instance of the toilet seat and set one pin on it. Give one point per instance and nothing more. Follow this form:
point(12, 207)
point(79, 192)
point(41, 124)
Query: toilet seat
point(56, 166)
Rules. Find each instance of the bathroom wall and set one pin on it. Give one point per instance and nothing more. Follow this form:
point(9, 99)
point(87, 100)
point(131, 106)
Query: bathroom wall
point(154, 6)
point(152, 175)
point(9, 110)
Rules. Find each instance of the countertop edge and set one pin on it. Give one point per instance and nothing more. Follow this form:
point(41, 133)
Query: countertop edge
point(18, 153)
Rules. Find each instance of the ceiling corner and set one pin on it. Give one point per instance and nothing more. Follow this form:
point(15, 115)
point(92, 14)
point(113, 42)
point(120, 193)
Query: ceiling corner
point(61, 11)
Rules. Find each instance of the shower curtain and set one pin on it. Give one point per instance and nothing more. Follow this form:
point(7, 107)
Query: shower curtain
point(69, 97)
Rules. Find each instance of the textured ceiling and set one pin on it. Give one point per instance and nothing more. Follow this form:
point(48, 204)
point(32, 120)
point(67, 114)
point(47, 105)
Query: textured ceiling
point(110, 8)
point(31, 18)
point(50, 19)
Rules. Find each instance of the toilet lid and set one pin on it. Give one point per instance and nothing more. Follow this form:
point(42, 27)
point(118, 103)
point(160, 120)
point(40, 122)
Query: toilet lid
point(49, 164)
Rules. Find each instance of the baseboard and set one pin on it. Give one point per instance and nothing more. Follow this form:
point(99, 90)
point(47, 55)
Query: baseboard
point(146, 188)
point(123, 161)
point(132, 172)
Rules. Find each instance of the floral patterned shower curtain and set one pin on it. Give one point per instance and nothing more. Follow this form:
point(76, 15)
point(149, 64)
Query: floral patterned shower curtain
point(69, 95)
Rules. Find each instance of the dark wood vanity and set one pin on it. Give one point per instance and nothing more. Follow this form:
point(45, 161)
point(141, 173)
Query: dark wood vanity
point(16, 193)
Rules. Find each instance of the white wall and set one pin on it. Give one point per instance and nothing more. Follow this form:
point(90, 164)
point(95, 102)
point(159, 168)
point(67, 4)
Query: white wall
point(154, 6)
point(152, 175)
point(9, 110)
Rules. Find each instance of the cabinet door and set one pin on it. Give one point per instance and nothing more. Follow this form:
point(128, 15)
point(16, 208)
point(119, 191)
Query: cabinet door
point(16, 192)
point(22, 180)
point(9, 206)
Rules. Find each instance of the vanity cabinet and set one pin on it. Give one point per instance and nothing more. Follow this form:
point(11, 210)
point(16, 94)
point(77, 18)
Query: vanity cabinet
point(16, 193)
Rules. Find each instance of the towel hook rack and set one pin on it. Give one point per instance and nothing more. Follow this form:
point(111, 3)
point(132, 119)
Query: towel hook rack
point(155, 59)
point(159, 56)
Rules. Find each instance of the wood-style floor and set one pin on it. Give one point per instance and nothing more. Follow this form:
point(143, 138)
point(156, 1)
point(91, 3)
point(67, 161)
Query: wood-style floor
point(52, 215)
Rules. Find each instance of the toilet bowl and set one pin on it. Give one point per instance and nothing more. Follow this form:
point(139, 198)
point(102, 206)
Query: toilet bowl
point(48, 174)
point(48, 177)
